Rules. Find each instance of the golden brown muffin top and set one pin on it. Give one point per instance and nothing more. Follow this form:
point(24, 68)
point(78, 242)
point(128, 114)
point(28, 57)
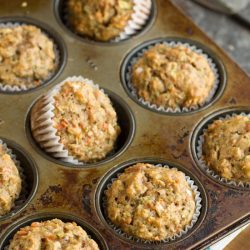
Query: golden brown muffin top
point(226, 147)
point(150, 202)
point(102, 20)
point(85, 121)
point(27, 56)
point(173, 77)
point(52, 234)
point(10, 182)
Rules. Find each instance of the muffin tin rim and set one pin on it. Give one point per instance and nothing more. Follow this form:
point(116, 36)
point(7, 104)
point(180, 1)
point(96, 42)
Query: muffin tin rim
point(218, 62)
point(201, 124)
point(120, 167)
point(43, 216)
point(54, 36)
point(32, 165)
point(150, 23)
point(132, 131)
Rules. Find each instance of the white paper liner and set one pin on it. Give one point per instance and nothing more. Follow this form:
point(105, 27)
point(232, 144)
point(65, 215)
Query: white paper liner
point(16, 88)
point(142, 10)
point(195, 218)
point(140, 53)
point(202, 162)
point(24, 190)
point(42, 124)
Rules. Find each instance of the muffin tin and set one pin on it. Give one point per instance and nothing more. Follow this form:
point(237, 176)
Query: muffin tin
point(167, 138)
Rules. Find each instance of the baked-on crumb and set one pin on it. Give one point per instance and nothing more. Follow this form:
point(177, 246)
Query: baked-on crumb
point(226, 147)
point(102, 20)
point(85, 121)
point(172, 77)
point(10, 182)
point(150, 202)
point(27, 56)
point(52, 234)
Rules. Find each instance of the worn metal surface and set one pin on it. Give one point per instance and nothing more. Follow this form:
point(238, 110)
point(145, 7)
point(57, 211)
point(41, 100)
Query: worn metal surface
point(72, 190)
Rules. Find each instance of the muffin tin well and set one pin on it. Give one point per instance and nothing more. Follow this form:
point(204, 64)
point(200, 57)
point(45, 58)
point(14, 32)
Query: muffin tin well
point(126, 121)
point(195, 144)
point(59, 47)
point(137, 52)
point(93, 233)
point(116, 171)
point(147, 134)
point(61, 14)
point(29, 175)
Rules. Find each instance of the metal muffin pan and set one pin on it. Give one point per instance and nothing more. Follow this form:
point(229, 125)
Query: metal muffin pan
point(163, 137)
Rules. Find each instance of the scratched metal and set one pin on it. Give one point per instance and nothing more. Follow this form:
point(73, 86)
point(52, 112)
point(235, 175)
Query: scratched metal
point(62, 188)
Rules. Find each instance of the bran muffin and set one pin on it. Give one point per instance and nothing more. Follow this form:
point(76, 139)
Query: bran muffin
point(226, 148)
point(27, 56)
point(52, 234)
point(172, 77)
point(84, 120)
point(101, 20)
point(10, 182)
point(150, 202)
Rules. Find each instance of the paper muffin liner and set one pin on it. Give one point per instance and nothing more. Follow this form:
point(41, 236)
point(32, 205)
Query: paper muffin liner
point(24, 186)
point(142, 10)
point(141, 14)
point(202, 162)
point(194, 48)
point(198, 206)
point(42, 124)
point(16, 88)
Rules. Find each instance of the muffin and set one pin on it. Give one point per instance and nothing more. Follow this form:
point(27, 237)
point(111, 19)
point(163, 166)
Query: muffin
point(27, 56)
point(83, 119)
point(10, 182)
point(150, 202)
point(172, 77)
point(226, 148)
point(101, 20)
point(52, 234)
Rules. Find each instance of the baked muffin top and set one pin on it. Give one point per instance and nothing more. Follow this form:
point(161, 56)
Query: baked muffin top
point(172, 77)
point(10, 182)
point(27, 56)
point(226, 147)
point(150, 202)
point(85, 121)
point(52, 234)
point(101, 20)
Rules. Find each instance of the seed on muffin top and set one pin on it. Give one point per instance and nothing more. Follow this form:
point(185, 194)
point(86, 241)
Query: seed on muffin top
point(150, 202)
point(52, 234)
point(226, 147)
point(85, 120)
point(27, 56)
point(10, 182)
point(101, 20)
point(173, 77)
